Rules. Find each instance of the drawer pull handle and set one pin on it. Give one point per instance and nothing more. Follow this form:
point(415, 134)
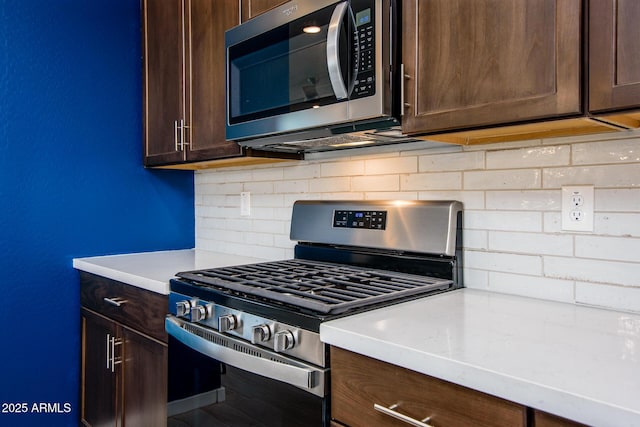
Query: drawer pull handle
point(397, 415)
point(117, 301)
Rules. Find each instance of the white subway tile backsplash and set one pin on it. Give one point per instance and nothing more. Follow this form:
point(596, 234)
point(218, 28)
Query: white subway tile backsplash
point(592, 270)
point(617, 224)
point(553, 222)
point(475, 239)
point(264, 200)
point(275, 226)
point(220, 188)
point(476, 279)
point(532, 286)
point(303, 171)
point(531, 243)
point(529, 157)
point(267, 174)
point(375, 183)
point(391, 195)
point(510, 179)
point(619, 151)
point(532, 200)
point(600, 295)
point(452, 161)
point(259, 187)
point(617, 200)
point(504, 262)
point(469, 199)
point(258, 239)
point(343, 196)
point(344, 168)
point(626, 175)
point(327, 185)
point(301, 186)
point(431, 181)
point(513, 242)
point(503, 220)
point(611, 248)
point(394, 165)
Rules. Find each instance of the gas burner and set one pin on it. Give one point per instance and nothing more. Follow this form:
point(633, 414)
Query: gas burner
point(322, 287)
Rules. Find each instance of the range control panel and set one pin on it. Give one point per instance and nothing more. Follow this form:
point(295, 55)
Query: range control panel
point(372, 220)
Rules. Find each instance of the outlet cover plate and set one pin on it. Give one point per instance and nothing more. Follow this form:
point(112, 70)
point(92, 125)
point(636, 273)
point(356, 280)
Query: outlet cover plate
point(577, 208)
point(245, 203)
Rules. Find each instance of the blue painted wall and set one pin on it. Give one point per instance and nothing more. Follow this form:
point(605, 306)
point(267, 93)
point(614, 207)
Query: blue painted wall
point(71, 185)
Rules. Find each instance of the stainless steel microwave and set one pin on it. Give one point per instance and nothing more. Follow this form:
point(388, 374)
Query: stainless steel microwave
point(314, 75)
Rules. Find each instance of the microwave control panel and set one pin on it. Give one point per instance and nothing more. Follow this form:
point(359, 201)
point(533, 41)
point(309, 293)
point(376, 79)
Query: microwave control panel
point(372, 220)
point(365, 81)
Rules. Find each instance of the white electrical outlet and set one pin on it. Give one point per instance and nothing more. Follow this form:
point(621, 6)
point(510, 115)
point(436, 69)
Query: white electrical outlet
point(245, 203)
point(577, 208)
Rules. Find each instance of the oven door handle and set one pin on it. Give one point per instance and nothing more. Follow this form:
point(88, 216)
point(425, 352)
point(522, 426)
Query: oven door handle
point(276, 366)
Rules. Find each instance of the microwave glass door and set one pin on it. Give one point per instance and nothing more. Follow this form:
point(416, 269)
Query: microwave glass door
point(304, 64)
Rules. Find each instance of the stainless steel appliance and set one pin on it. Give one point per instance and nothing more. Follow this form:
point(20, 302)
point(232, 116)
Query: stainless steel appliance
point(262, 321)
point(315, 75)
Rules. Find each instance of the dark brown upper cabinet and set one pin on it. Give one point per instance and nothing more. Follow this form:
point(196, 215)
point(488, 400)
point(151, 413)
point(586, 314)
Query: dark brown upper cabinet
point(614, 55)
point(184, 86)
point(253, 8)
point(184, 98)
point(483, 63)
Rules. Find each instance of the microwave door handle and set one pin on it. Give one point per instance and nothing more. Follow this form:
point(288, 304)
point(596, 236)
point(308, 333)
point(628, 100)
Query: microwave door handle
point(333, 51)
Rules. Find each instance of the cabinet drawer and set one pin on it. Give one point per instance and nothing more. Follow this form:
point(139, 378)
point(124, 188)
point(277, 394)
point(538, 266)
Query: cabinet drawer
point(542, 419)
point(359, 382)
point(137, 308)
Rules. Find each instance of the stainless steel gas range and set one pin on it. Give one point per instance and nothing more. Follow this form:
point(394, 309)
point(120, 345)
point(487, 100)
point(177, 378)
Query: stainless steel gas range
point(261, 321)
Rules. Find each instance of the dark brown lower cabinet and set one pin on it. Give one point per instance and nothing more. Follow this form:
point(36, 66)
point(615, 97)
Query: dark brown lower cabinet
point(124, 371)
point(542, 419)
point(359, 382)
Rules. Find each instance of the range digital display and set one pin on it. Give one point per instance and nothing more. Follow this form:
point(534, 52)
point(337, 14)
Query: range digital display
point(372, 220)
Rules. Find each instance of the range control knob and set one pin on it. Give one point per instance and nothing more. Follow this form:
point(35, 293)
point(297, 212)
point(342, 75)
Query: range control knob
point(183, 308)
point(260, 333)
point(201, 312)
point(283, 340)
point(227, 322)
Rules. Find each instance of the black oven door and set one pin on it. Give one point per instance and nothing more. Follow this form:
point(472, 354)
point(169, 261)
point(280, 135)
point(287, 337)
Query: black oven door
point(258, 387)
point(291, 69)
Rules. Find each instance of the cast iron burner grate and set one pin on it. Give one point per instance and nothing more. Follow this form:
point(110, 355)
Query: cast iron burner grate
point(318, 286)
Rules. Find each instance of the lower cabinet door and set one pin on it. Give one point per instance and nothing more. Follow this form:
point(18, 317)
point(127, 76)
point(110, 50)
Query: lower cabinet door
point(124, 375)
point(360, 384)
point(144, 380)
point(99, 385)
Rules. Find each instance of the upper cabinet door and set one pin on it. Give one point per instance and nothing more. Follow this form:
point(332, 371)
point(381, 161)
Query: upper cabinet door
point(476, 63)
point(614, 55)
point(208, 20)
point(163, 79)
point(252, 8)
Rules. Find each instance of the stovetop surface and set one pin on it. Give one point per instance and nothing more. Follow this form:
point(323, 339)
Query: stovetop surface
point(317, 287)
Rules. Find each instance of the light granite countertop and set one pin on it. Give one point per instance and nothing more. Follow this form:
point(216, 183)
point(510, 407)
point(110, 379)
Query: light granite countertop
point(153, 270)
point(577, 362)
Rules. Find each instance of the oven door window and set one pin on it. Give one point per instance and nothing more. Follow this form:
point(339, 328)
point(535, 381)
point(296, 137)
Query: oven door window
point(307, 63)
